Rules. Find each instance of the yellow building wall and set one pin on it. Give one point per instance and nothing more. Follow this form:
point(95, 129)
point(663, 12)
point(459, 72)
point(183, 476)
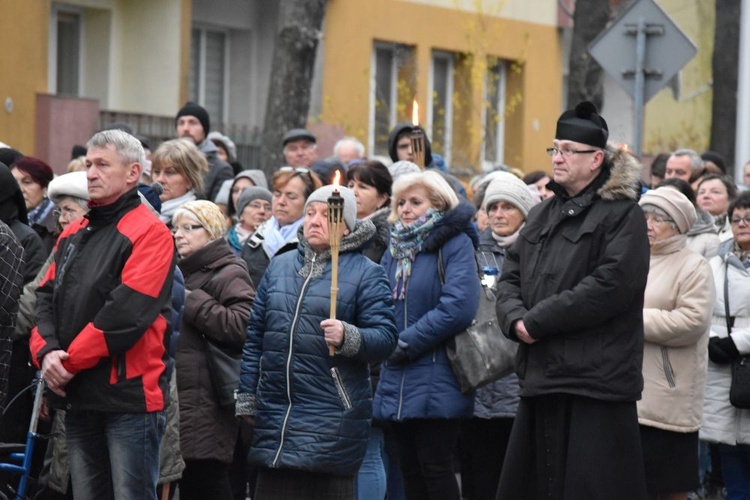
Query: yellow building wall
point(668, 123)
point(24, 63)
point(534, 83)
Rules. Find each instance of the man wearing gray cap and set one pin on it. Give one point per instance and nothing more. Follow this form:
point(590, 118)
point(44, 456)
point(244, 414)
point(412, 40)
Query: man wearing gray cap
point(571, 293)
point(300, 148)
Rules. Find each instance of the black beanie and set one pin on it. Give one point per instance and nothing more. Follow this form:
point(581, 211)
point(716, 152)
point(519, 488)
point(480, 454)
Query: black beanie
point(584, 125)
point(198, 111)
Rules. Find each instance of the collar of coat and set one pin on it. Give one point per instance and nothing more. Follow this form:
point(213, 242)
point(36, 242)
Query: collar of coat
point(455, 221)
point(363, 232)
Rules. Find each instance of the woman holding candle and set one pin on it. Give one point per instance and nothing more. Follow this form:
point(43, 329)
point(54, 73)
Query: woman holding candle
point(418, 392)
point(310, 410)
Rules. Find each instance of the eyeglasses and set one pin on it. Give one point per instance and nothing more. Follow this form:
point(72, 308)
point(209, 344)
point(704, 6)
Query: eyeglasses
point(260, 206)
point(569, 152)
point(736, 220)
point(186, 228)
point(65, 213)
point(299, 170)
point(657, 219)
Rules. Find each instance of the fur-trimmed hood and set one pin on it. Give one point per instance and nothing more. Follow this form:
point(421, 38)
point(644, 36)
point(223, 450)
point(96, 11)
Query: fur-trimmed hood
point(624, 175)
point(454, 221)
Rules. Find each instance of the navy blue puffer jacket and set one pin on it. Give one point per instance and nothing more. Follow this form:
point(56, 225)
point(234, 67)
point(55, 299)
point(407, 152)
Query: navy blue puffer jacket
point(312, 411)
point(424, 386)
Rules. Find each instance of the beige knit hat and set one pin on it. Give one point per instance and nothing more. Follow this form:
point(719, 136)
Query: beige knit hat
point(674, 204)
point(507, 187)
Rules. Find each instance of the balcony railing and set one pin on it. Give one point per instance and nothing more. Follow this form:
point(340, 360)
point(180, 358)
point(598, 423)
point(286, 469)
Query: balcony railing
point(158, 129)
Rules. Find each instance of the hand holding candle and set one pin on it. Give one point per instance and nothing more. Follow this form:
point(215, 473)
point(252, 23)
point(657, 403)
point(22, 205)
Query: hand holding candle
point(417, 137)
point(335, 227)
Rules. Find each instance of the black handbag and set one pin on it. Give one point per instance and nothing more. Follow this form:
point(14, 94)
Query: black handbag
point(480, 354)
point(739, 391)
point(224, 371)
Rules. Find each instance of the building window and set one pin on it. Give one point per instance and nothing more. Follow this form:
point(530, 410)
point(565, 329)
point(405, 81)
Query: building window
point(209, 53)
point(391, 92)
point(65, 52)
point(494, 116)
point(440, 111)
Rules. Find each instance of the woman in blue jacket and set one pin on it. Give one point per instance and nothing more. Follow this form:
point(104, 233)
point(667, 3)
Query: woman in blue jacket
point(418, 391)
point(311, 411)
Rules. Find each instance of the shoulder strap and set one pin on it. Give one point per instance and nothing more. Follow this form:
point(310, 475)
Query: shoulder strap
point(730, 319)
point(441, 268)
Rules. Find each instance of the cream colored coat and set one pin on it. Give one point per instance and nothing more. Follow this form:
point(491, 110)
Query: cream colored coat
point(722, 422)
point(676, 318)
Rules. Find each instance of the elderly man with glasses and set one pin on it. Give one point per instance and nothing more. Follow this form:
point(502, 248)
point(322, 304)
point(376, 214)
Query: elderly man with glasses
point(571, 293)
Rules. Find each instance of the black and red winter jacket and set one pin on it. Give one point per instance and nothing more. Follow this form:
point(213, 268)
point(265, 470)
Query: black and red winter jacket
point(105, 300)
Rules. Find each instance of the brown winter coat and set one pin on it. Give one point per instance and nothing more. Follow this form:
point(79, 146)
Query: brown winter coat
point(217, 304)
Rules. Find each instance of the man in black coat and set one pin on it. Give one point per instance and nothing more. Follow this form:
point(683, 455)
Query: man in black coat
point(571, 292)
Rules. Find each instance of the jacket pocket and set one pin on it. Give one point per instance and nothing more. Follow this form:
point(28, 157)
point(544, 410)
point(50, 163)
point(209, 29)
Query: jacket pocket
point(339, 383)
point(579, 356)
point(667, 365)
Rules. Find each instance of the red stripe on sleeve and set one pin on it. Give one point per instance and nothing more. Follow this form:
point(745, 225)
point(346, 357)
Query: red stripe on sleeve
point(36, 344)
point(86, 350)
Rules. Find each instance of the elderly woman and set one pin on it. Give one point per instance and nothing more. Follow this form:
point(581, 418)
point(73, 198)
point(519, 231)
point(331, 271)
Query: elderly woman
point(676, 318)
point(311, 410)
point(507, 201)
point(178, 166)
point(291, 187)
point(433, 276)
point(253, 209)
point(713, 195)
point(218, 299)
point(241, 181)
point(730, 338)
point(34, 176)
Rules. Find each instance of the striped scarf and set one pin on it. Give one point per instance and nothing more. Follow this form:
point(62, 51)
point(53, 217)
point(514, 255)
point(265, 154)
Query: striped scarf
point(406, 243)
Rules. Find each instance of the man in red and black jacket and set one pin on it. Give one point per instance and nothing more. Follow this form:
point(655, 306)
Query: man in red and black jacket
point(103, 315)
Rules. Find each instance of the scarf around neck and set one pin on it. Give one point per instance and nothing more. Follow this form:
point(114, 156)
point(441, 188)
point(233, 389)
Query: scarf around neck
point(275, 236)
point(169, 207)
point(41, 211)
point(406, 243)
point(506, 241)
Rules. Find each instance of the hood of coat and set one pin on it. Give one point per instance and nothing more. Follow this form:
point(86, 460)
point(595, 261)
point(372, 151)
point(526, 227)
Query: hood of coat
point(624, 177)
point(214, 255)
point(382, 229)
point(704, 224)
point(397, 130)
point(455, 221)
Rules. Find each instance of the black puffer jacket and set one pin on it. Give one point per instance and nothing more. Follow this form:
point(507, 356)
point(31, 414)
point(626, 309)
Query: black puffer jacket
point(576, 276)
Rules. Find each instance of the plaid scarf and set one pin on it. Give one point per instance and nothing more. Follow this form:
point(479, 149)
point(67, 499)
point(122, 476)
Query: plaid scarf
point(406, 243)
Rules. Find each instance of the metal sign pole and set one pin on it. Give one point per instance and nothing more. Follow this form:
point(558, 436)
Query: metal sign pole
point(640, 83)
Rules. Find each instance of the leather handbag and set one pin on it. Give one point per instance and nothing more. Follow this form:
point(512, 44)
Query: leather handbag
point(224, 371)
point(739, 390)
point(481, 354)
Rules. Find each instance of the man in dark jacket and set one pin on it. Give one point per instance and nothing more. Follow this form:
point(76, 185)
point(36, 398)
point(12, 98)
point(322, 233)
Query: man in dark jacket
point(193, 122)
point(571, 292)
point(103, 315)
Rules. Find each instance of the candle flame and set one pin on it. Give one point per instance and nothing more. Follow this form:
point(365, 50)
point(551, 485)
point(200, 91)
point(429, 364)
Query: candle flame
point(415, 113)
point(337, 178)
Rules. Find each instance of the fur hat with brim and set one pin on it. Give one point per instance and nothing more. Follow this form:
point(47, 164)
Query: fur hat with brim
point(73, 184)
point(350, 202)
point(674, 204)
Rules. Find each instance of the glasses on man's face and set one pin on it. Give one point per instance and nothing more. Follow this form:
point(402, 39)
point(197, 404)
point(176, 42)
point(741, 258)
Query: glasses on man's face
point(567, 152)
point(65, 214)
point(186, 228)
point(737, 220)
point(260, 206)
point(657, 219)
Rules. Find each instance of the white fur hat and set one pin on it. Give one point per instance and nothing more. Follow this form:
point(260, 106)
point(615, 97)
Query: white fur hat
point(72, 184)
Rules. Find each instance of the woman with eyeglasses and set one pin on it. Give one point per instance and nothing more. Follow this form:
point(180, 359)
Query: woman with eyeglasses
point(291, 187)
point(218, 299)
point(433, 275)
point(676, 319)
point(253, 209)
point(178, 166)
point(723, 423)
point(33, 176)
point(243, 180)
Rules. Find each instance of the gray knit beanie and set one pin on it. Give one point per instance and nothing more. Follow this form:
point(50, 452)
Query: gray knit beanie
point(509, 188)
point(403, 167)
point(350, 202)
point(250, 194)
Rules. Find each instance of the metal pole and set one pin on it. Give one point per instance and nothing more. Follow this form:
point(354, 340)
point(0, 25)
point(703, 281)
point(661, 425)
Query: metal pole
point(640, 81)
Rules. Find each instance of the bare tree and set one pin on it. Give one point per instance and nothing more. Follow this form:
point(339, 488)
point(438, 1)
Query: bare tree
point(299, 29)
point(724, 67)
point(584, 73)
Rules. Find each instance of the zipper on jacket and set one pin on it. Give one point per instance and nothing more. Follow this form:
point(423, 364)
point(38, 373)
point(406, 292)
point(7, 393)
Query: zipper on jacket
point(341, 389)
point(403, 369)
point(289, 366)
point(668, 371)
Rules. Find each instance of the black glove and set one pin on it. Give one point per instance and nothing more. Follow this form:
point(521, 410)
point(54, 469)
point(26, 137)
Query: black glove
point(399, 354)
point(722, 350)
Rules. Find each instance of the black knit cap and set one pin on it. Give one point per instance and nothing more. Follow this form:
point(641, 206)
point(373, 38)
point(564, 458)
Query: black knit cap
point(198, 111)
point(583, 124)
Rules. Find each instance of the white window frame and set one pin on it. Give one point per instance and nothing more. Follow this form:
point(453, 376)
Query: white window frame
point(52, 48)
point(202, 29)
point(392, 104)
point(448, 144)
point(499, 109)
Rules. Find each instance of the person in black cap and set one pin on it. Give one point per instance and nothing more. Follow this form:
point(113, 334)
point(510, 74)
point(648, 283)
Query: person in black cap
point(300, 147)
point(193, 122)
point(571, 293)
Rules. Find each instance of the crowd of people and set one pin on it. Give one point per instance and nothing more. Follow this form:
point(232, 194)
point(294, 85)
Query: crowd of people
point(179, 309)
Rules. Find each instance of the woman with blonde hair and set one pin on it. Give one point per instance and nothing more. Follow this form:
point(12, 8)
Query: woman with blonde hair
point(178, 166)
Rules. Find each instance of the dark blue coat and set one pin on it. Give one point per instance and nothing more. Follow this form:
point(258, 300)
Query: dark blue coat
point(301, 415)
point(424, 386)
